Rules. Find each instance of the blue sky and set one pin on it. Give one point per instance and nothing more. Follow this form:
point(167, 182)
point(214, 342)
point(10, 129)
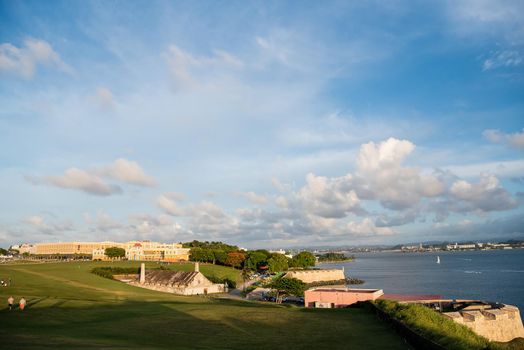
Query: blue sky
point(265, 124)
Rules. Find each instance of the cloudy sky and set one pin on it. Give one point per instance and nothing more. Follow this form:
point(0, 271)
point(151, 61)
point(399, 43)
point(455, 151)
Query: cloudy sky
point(265, 124)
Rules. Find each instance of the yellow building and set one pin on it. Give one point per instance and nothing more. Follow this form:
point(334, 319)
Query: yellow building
point(135, 250)
point(144, 251)
point(72, 247)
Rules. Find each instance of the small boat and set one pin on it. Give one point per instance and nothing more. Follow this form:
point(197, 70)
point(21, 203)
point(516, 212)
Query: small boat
point(438, 259)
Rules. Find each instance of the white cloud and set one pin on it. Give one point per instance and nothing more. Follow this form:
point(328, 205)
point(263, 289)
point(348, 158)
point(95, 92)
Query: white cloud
point(23, 61)
point(515, 140)
point(381, 175)
point(102, 221)
point(503, 59)
point(93, 181)
point(127, 171)
point(486, 195)
point(254, 198)
point(75, 178)
point(367, 228)
point(509, 168)
point(502, 19)
point(168, 203)
point(328, 197)
point(40, 225)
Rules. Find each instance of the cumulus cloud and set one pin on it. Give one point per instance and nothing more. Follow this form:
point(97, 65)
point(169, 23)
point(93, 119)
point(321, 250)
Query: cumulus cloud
point(367, 227)
point(95, 181)
point(329, 198)
point(515, 140)
point(381, 175)
point(23, 61)
point(486, 195)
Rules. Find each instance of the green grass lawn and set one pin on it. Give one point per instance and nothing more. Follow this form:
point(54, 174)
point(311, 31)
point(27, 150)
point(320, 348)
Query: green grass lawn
point(69, 307)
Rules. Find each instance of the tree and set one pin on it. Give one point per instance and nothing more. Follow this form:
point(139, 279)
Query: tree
point(255, 258)
point(196, 254)
point(3, 251)
point(277, 263)
point(235, 259)
point(115, 252)
point(288, 286)
point(303, 259)
point(220, 256)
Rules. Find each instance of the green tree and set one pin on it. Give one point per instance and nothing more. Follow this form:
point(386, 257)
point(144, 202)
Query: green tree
point(115, 252)
point(3, 251)
point(255, 258)
point(278, 262)
point(303, 259)
point(220, 256)
point(288, 286)
point(196, 254)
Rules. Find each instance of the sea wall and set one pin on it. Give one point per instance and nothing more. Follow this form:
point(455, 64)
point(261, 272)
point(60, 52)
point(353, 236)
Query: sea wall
point(501, 325)
point(310, 276)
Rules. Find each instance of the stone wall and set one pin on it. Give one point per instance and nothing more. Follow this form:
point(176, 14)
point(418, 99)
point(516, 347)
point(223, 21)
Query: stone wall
point(310, 276)
point(501, 325)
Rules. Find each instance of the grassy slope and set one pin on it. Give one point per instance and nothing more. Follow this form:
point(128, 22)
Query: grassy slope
point(72, 308)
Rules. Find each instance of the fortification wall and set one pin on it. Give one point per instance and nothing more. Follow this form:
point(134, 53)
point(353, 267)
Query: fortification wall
point(310, 276)
point(500, 325)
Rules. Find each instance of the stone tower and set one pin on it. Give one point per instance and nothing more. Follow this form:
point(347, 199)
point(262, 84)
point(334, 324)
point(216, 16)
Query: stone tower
point(197, 266)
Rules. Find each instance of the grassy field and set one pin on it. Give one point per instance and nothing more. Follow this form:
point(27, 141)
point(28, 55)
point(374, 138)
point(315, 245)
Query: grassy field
point(69, 307)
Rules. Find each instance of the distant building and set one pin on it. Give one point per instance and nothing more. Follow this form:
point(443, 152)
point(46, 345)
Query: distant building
point(336, 297)
point(310, 276)
point(157, 252)
point(135, 250)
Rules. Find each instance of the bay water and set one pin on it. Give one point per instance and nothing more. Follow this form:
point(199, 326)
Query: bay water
point(492, 275)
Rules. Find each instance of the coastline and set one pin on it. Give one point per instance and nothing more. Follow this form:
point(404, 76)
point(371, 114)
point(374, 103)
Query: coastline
point(335, 261)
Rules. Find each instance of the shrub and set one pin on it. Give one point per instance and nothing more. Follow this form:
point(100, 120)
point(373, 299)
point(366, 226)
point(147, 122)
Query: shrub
point(215, 279)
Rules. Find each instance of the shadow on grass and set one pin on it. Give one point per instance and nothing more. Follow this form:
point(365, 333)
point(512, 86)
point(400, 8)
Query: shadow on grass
point(218, 324)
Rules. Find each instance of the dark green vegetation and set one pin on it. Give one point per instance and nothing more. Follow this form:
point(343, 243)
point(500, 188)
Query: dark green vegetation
point(288, 286)
point(348, 280)
point(252, 260)
point(330, 257)
point(115, 252)
point(303, 259)
point(436, 327)
point(71, 308)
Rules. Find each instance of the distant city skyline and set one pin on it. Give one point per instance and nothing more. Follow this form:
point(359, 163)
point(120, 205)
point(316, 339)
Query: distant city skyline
point(262, 124)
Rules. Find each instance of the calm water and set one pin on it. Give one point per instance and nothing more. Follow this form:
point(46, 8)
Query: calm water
point(486, 275)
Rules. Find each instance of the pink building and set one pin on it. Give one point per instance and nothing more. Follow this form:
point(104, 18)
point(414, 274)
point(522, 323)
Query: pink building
point(332, 297)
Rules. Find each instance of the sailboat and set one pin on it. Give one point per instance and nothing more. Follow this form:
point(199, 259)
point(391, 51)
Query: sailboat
point(438, 259)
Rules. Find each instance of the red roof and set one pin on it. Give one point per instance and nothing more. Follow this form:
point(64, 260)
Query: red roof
point(410, 297)
point(138, 245)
